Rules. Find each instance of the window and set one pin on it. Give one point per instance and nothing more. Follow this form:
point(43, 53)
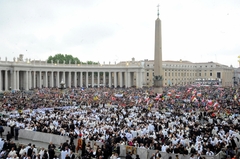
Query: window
point(218, 74)
point(147, 74)
point(199, 74)
point(211, 74)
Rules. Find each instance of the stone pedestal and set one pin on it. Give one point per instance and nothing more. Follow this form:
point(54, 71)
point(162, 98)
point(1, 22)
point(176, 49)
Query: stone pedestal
point(158, 86)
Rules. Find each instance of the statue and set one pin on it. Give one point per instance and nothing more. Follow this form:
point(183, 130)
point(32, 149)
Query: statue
point(157, 78)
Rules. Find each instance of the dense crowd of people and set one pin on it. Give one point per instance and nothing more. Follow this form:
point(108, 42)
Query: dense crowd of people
point(183, 120)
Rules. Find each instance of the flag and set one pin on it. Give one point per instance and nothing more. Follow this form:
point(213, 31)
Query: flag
point(113, 98)
point(95, 98)
point(79, 145)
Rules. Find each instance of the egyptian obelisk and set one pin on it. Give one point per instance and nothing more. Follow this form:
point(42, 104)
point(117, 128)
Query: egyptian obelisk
point(158, 71)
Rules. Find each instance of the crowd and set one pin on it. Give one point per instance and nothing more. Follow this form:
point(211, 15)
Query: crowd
point(182, 120)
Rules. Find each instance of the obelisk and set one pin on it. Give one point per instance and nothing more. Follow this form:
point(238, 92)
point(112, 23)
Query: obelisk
point(158, 71)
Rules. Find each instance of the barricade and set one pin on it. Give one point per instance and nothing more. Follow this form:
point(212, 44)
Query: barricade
point(57, 140)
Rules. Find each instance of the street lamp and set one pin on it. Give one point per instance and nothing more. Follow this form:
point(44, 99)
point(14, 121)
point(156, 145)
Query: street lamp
point(62, 84)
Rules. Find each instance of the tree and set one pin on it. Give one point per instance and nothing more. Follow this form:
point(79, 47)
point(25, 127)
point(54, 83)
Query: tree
point(61, 58)
point(68, 59)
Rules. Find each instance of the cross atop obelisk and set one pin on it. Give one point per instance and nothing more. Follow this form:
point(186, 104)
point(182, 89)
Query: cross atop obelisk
point(158, 71)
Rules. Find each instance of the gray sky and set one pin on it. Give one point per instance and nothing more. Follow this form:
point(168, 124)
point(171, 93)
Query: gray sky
point(111, 30)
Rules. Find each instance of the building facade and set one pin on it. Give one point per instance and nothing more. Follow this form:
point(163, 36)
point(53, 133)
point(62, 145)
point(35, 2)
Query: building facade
point(24, 75)
point(188, 73)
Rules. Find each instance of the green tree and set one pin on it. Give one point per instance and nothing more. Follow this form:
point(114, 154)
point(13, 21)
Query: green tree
point(90, 63)
point(61, 58)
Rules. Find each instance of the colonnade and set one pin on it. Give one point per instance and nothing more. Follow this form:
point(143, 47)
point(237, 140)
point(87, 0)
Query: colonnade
point(14, 79)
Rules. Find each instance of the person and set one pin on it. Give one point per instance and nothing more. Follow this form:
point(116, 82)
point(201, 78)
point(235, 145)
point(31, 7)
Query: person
point(137, 157)
point(72, 155)
point(45, 155)
point(12, 153)
point(67, 156)
point(9, 136)
point(16, 129)
point(51, 145)
point(129, 155)
point(1, 130)
point(51, 152)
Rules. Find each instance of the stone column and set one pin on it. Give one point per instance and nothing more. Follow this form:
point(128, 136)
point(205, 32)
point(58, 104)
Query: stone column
point(17, 80)
point(129, 79)
point(46, 79)
point(52, 79)
point(14, 80)
point(34, 79)
point(137, 79)
point(81, 79)
point(86, 79)
point(75, 79)
point(121, 82)
point(40, 79)
point(110, 79)
point(140, 79)
point(98, 79)
point(125, 79)
point(115, 79)
point(70, 79)
point(104, 79)
point(6, 80)
point(26, 87)
point(92, 79)
point(158, 71)
point(58, 81)
point(30, 79)
point(64, 79)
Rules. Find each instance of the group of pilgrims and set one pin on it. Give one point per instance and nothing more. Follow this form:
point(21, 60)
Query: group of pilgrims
point(187, 120)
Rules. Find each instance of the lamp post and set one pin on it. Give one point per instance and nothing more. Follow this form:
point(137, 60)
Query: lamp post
point(62, 84)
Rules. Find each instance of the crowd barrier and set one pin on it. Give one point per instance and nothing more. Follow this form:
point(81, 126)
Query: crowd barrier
point(57, 140)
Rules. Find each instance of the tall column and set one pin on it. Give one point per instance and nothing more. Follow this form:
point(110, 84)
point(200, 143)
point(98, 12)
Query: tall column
point(158, 71)
point(58, 81)
point(40, 79)
point(34, 79)
point(81, 79)
point(75, 79)
point(92, 79)
point(46, 79)
point(137, 79)
point(120, 82)
point(14, 80)
point(98, 78)
point(17, 80)
point(115, 79)
point(140, 79)
point(6, 80)
point(52, 79)
point(104, 79)
point(86, 79)
point(30, 79)
point(63, 77)
point(110, 79)
point(26, 87)
point(70, 79)
point(126, 79)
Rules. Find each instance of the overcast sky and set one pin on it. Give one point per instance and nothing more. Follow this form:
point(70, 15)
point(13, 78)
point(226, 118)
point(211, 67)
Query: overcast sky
point(117, 30)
